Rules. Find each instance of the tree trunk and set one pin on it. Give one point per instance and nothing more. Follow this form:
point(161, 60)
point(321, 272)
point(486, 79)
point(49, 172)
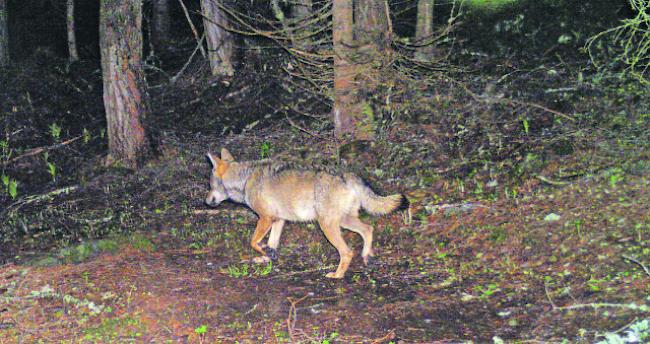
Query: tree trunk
point(161, 23)
point(73, 55)
point(220, 46)
point(360, 58)
point(371, 24)
point(125, 98)
point(4, 34)
point(425, 49)
point(344, 112)
point(301, 12)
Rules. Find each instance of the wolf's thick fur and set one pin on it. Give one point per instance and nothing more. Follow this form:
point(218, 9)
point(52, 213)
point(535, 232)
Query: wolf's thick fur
point(278, 194)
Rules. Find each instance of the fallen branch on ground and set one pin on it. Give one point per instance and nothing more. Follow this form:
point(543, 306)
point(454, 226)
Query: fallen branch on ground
point(291, 318)
point(634, 260)
point(549, 181)
point(39, 150)
point(596, 305)
point(36, 198)
point(389, 336)
point(305, 271)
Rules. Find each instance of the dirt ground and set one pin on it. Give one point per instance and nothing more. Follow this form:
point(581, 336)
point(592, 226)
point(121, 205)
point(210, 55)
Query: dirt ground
point(545, 262)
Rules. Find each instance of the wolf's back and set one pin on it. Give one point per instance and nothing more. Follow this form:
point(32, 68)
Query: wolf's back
point(373, 203)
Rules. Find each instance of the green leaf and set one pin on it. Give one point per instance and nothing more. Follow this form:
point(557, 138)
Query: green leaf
point(526, 126)
point(552, 217)
point(51, 168)
point(13, 188)
point(55, 131)
point(86, 135)
point(201, 329)
point(564, 39)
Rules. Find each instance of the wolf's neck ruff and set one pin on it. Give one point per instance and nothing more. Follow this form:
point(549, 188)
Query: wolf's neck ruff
point(236, 187)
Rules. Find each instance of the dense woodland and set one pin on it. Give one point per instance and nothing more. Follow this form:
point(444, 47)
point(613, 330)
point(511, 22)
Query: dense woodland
point(518, 131)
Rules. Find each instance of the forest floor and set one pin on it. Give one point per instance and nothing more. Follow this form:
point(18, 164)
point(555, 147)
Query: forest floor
point(549, 263)
point(547, 241)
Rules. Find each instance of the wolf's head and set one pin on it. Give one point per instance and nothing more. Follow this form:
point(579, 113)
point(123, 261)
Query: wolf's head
point(220, 166)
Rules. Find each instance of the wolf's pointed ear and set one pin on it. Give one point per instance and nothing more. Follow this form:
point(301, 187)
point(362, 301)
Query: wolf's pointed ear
point(226, 156)
point(211, 159)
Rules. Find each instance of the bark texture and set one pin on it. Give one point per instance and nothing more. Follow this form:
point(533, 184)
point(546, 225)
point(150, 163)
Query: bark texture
point(125, 98)
point(4, 34)
point(371, 23)
point(161, 23)
point(301, 11)
point(362, 37)
point(425, 49)
point(73, 54)
point(344, 112)
point(220, 41)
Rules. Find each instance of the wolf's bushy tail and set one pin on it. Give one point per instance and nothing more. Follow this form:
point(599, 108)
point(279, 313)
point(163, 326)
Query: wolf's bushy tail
point(373, 203)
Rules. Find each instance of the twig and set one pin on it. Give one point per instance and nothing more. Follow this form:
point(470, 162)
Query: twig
point(563, 115)
point(634, 260)
point(548, 296)
point(595, 305)
point(619, 330)
point(36, 198)
point(388, 21)
point(304, 271)
point(509, 100)
point(207, 211)
point(302, 129)
point(548, 181)
point(461, 205)
point(631, 306)
point(39, 150)
point(196, 33)
point(291, 318)
point(389, 336)
point(199, 45)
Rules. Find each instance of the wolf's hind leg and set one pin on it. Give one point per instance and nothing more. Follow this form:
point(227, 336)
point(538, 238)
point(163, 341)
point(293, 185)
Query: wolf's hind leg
point(354, 224)
point(333, 233)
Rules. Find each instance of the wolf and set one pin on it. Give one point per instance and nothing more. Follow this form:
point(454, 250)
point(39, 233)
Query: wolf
point(278, 193)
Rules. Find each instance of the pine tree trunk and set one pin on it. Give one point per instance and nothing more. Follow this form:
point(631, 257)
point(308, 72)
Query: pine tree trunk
point(161, 23)
point(220, 45)
point(73, 54)
point(4, 34)
point(301, 12)
point(344, 112)
point(371, 24)
point(359, 69)
point(424, 30)
point(125, 98)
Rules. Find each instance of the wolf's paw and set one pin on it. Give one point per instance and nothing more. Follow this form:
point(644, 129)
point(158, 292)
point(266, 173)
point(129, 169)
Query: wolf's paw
point(271, 253)
point(261, 260)
point(370, 261)
point(333, 275)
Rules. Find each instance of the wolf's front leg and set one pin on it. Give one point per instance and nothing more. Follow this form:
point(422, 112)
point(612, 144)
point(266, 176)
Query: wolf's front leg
point(274, 239)
point(263, 227)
